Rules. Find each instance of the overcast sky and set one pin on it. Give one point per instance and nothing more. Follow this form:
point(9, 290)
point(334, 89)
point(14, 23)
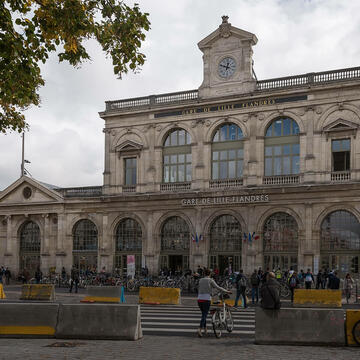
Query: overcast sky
point(65, 143)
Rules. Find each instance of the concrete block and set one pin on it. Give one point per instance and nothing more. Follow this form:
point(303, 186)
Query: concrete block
point(157, 295)
point(99, 321)
point(108, 294)
point(38, 292)
point(299, 326)
point(28, 320)
point(352, 317)
point(317, 298)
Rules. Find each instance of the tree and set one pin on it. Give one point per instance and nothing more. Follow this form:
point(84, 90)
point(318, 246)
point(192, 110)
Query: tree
point(31, 29)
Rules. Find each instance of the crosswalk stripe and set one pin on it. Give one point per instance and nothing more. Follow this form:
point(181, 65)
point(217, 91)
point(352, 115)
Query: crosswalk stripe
point(190, 319)
point(182, 324)
point(243, 332)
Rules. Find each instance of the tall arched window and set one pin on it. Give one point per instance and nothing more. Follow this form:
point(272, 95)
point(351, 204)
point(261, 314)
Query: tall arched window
point(282, 148)
point(30, 247)
point(177, 157)
point(128, 241)
point(227, 153)
point(175, 244)
point(225, 243)
point(280, 241)
point(85, 245)
point(340, 242)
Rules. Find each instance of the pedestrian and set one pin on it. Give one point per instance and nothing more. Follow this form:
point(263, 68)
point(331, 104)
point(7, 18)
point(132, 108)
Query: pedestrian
point(270, 293)
point(335, 282)
point(241, 284)
point(265, 275)
point(323, 279)
point(255, 282)
point(309, 279)
point(1, 275)
point(330, 278)
point(74, 279)
point(318, 279)
point(278, 274)
point(206, 284)
point(38, 275)
point(63, 274)
point(293, 284)
point(7, 276)
point(348, 285)
point(301, 277)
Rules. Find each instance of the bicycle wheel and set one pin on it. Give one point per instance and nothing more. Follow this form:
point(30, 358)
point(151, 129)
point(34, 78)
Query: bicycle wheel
point(216, 323)
point(130, 285)
point(284, 291)
point(229, 321)
point(356, 332)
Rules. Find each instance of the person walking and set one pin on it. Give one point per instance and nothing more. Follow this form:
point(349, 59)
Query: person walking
point(255, 282)
point(294, 283)
point(348, 285)
point(74, 279)
point(241, 284)
point(206, 284)
point(270, 293)
point(7, 276)
point(309, 279)
point(335, 282)
point(38, 275)
point(319, 279)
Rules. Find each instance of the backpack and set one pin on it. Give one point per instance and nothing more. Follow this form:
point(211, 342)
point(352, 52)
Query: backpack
point(308, 278)
point(242, 282)
point(293, 282)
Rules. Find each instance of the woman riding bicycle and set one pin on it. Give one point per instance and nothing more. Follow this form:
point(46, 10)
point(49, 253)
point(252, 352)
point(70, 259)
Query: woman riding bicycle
point(206, 284)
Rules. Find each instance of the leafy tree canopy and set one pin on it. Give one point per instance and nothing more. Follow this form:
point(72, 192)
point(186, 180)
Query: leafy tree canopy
point(31, 29)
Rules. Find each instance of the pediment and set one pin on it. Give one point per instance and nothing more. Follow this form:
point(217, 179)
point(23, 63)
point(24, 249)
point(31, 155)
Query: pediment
point(28, 191)
point(225, 30)
point(341, 125)
point(128, 146)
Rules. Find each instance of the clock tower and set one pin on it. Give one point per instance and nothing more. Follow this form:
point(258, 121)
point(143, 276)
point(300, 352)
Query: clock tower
point(228, 65)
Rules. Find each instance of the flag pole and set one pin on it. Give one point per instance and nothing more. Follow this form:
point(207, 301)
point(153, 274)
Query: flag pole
point(22, 157)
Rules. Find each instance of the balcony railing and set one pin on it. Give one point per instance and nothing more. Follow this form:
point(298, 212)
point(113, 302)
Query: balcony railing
point(340, 176)
point(175, 186)
point(261, 85)
point(228, 183)
point(129, 188)
point(89, 191)
point(281, 180)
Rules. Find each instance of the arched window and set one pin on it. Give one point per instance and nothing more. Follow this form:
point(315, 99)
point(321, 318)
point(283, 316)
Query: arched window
point(30, 246)
point(282, 148)
point(225, 234)
point(85, 236)
point(227, 153)
point(280, 241)
point(30, 237)
point(175, 235)
point(128, 236)
point(177, 157)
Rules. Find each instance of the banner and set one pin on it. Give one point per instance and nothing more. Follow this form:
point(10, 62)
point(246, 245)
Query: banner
point(130, 261)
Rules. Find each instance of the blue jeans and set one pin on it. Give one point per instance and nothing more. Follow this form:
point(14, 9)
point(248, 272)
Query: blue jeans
point(254, 293)
point(204, 307)
point(241, 292)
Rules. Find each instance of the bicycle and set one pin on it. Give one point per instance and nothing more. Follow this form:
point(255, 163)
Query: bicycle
point(356, 332)
point(221, 317)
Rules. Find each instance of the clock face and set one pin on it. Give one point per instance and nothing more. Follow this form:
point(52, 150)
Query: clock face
point(227, 67)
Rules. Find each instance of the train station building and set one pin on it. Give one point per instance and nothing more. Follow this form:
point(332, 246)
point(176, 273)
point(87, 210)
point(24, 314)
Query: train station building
point(240, 172)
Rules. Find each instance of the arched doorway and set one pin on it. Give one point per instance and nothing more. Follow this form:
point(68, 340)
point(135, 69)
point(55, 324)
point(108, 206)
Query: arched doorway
point(175, 245)
point(225, 244)
point(340, 242)
point(128, 241)
point(30, 246)
point(280, 242)
point(85, 245)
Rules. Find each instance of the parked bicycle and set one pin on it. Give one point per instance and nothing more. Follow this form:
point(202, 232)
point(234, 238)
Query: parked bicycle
point(221, 317)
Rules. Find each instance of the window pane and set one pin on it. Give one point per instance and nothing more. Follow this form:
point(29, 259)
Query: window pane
point(231, 169)
point(188, 158)
point(223, 155)
point(240, 153)
point(336, 145)
point(277, 128)
point(277, 166)
point(181, 170)
point(268, 167)
point(181, 158)
point(240, 134)
point(232, 154)
point(188, 138)
point(166, 159)
point(277, 150)
point(181, 137)
point(346, 144)
point(224, 133)
point(173, 159)
point(215, 170)
point(215, 155)
point(269, 130)
point(286, 165)
point(286, 127)
point(166, 173)
point(173, 140)
point(133, 179)
point(295, 128)
point(239, 168)
point(296, 149)
point(188, 172)
point(173, 173)
point(216, 136)
point(286, 149)
point(223, 170)
point(268, 150)
point(167, 141)
point(233, 132)
point(296, 164)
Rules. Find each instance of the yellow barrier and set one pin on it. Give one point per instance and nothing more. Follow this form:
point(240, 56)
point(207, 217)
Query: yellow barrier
point(157, 295)
point(2, 294)
point(352, 317)
point(101, 299)
point(27, 330)
point(317, 298)
point(38, 292)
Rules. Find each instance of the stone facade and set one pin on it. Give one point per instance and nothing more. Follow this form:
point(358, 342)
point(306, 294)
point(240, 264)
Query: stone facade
point(323, 107)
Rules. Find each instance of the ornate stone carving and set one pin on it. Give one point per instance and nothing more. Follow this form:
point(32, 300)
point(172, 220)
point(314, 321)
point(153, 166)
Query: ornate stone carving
point(207, 123)
point(158, 128)
point(341, 106)
point(225, 27)
point(318, 110)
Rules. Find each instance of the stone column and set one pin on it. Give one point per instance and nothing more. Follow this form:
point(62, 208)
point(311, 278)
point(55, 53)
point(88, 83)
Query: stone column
point(8, 250)
point(107, 160)
point(309, 157)
point(252, 154)
point(45, 247)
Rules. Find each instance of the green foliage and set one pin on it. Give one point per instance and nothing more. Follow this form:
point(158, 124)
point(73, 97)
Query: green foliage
point(31, 29)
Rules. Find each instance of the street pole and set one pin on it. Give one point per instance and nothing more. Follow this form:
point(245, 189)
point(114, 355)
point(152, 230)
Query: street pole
point(22, 158)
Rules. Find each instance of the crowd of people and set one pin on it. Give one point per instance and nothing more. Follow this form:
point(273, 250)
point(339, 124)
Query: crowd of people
point(5, 275)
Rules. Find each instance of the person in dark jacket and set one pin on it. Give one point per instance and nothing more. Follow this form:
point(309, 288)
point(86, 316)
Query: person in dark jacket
point(241, 284)
point(74, 279)
point(335, 282)
point(270, 293)
point(294, 283)
point(38, 275)
point(255, 282)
